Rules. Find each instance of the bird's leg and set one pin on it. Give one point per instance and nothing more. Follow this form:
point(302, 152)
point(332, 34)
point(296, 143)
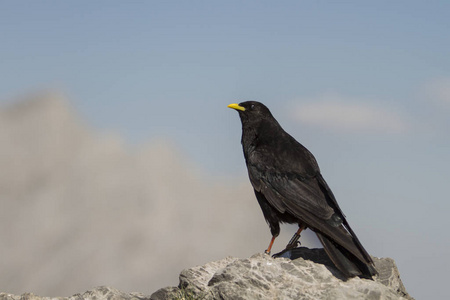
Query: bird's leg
point(294, 240)
point(270, 245)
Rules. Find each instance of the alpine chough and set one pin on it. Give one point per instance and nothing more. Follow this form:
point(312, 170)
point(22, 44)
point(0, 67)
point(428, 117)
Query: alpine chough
point(290, 189)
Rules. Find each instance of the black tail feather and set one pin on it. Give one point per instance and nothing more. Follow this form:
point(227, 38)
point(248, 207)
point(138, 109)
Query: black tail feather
point(346, 262)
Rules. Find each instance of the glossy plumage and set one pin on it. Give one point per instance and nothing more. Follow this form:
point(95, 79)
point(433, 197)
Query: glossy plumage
point(290, 188)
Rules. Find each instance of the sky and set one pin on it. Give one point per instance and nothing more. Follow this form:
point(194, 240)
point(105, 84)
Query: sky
point(364, 85)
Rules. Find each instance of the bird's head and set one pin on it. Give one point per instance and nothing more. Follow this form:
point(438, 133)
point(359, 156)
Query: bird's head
point(251, 111)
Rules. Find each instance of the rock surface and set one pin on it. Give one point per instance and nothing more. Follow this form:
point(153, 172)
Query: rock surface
point(310, 276)
point(101, 292)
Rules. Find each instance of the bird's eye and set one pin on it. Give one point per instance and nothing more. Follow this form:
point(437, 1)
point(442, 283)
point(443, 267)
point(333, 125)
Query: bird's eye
point(252, 106)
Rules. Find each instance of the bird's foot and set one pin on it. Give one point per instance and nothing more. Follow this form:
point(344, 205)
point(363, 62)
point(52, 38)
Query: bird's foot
point(292, 245)
point(270, 245)
point(294, 242)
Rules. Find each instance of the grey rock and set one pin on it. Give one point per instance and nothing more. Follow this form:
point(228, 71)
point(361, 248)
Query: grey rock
point(310, 275)
point(98, 293)
point(307, 274)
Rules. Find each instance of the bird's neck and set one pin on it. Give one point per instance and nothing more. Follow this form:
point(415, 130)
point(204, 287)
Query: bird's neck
point(249, 138)
point(253, 133)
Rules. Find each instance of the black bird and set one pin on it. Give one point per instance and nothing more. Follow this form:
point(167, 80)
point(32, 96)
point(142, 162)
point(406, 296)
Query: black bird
point(290, 189)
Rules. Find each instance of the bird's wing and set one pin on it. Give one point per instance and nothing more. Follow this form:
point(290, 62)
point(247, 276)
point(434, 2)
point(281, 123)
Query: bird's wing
point(311, 201)
point(291, 193)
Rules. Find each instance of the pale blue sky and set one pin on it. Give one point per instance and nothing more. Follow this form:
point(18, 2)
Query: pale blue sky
point(379, 71)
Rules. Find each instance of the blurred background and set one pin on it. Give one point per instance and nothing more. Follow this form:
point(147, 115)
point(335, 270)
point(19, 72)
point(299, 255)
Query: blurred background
point(120, 163)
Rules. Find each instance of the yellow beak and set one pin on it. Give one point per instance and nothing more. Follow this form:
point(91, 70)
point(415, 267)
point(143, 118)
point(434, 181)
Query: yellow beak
point(236, 107)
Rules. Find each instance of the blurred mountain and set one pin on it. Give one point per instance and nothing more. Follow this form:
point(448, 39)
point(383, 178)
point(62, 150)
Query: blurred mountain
point(81, 209)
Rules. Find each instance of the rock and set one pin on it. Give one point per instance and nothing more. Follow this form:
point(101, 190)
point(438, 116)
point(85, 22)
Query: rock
point(311, 275)
point(97, 293)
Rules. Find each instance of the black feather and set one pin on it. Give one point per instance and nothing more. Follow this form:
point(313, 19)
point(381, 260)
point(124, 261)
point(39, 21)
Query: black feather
point(290, 188)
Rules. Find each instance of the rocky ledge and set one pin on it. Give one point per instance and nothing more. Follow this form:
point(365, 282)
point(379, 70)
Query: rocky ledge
point(307, 274)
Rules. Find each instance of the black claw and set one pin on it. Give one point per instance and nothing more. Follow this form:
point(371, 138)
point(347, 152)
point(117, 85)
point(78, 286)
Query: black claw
point(294, 242)
point(292, 245)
